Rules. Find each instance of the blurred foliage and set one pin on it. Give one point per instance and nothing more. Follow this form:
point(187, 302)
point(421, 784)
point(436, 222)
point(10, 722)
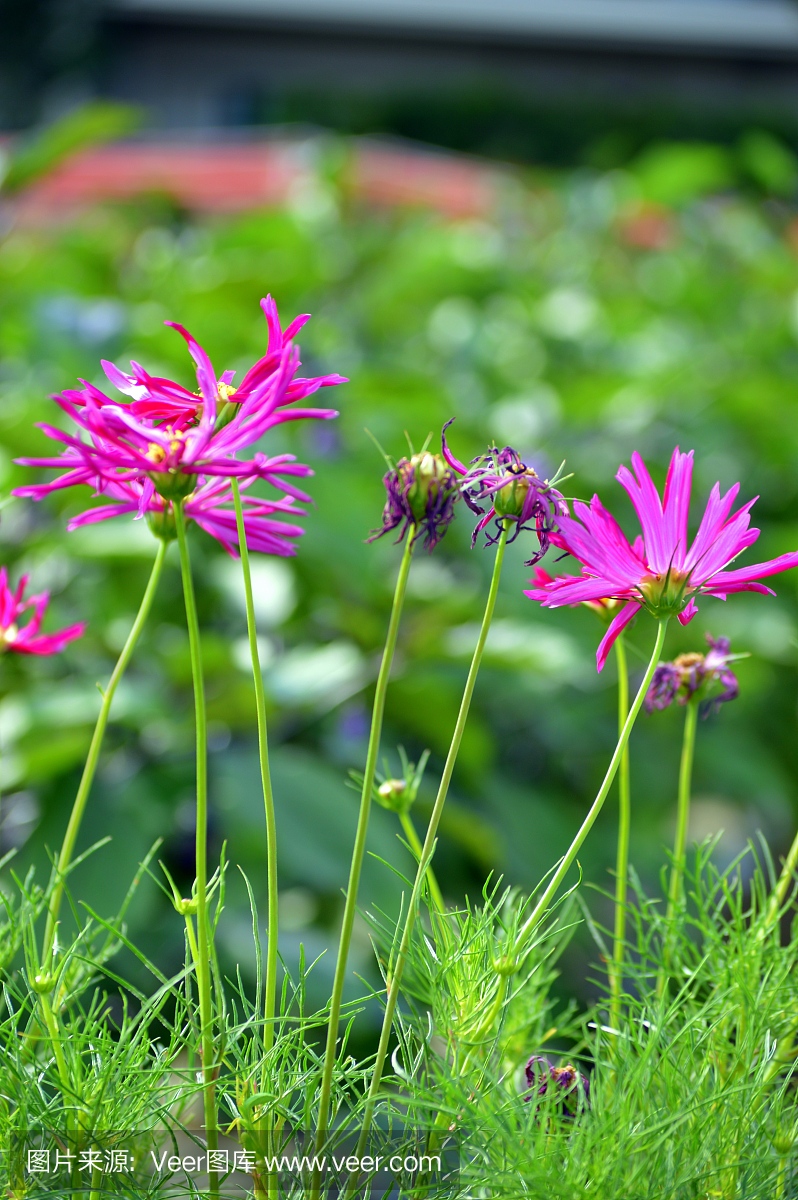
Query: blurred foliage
point(552, 122)
point(46, 148)
point(594, 314)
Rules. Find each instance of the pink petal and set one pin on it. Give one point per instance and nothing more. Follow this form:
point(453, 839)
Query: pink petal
point(688, 612)
point(744, 578)
point(617, 626)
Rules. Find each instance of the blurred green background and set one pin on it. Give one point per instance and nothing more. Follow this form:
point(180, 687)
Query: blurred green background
point(594, 314)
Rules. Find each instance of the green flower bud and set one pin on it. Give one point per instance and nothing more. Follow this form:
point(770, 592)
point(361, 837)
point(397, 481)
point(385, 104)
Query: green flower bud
point(43, 983)
point(162, 524)
point(395, 795)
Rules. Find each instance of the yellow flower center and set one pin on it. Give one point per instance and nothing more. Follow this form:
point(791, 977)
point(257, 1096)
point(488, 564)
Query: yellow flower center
point(8, 636)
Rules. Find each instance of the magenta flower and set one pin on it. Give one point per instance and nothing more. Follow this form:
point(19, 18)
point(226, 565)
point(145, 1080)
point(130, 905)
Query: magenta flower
point(511, 491)
point(661, 571)
point(211, 507)
point(159, 399)
point(705, 676)
point(184, 438)
point(26, 639)
point(603, 608)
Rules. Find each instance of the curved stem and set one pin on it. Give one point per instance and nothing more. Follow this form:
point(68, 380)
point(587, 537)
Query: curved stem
point(87, 778)
point(429, 847)
point(541, 908)
point(359, 848)
point(680, 841)
point(270, 996)
point(622, 855)
point(414, 842)
point(203, 960)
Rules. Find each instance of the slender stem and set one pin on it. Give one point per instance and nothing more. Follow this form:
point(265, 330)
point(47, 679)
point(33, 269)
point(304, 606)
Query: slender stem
point(270, 998)
point(683, 807)
point(779, 894)
point(429, 847)
point(58, 1050)
point(87, 778)
point(541, 908)
point(680, 841)
point(203, 959)
point(359, 849)
point(622, 855)
point(414, 842)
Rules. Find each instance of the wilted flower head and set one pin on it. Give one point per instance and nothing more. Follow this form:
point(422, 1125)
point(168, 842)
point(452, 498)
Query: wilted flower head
point(502, 483)
point(422, 492)
point(659, 571)
point(26, 639)
point(704, 677)
point(566, 1084)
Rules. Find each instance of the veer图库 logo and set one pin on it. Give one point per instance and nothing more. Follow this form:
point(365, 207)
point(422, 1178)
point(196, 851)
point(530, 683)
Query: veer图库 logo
point(176, 1163)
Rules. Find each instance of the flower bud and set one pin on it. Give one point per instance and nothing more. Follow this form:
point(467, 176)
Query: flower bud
point(395, 795)
point(783, 1142)
point(506, 966)
point(43, 983)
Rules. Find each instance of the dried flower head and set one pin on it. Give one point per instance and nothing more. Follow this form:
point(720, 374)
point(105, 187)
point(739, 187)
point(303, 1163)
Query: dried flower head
point(421, 495)
point(500, 482)
point(565, 1086)
point(707, 678)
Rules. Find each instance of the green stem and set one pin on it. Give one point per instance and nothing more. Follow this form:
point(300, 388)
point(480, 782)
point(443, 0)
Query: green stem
point(203, 959)
point(429, 847)
point(680, 842)
point(683, 807)
point(541, 908)
point(270, 997)
point(58, 1050)
point(622, 855)
point(779, 894)
point(359, 849)
point(414, 842)
point(87, 778)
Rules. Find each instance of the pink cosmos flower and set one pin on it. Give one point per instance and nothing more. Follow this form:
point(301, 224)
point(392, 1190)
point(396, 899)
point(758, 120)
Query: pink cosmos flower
point(661, 571)
point(26, 639)
point(159, 399)
point(211, 507)
point(603, 608)
point(184, 438)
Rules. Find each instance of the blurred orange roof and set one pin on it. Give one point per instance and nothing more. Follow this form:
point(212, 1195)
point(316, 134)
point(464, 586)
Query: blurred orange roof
point(224, 178)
